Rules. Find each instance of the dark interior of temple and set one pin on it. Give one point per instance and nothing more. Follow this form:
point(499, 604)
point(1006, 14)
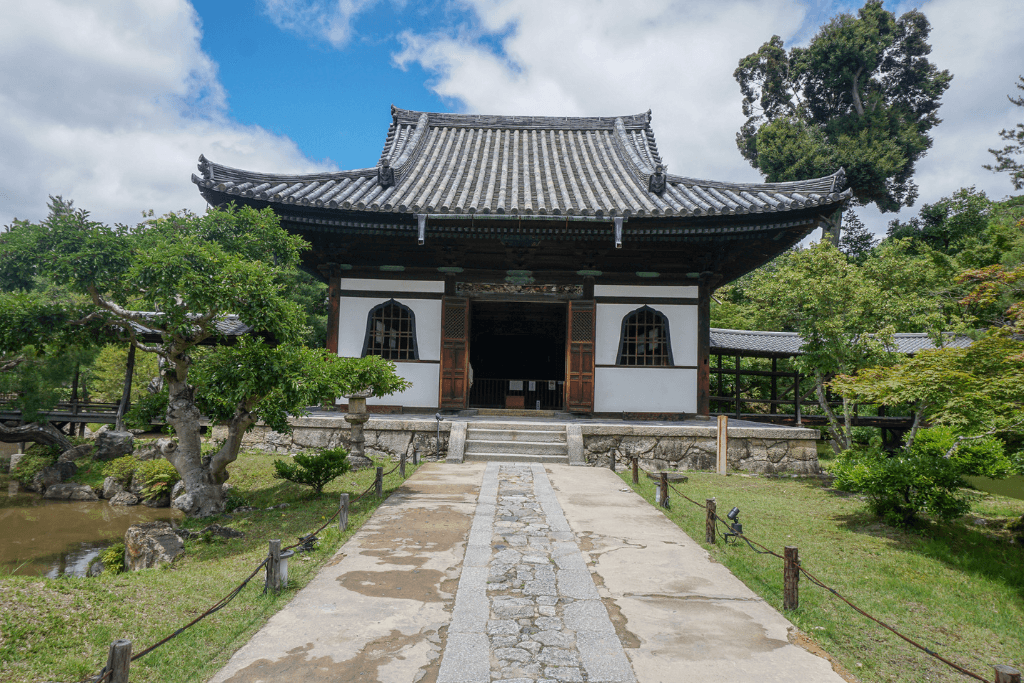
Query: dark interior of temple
point(514, 342)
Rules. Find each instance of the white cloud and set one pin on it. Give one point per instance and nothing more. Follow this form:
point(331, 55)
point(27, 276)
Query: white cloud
point(604, 57)
point(608, 57)
point(110, 104)
point(329, 20)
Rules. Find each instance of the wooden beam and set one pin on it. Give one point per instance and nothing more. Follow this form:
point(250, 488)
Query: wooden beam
point(333, 312)
point(704, 348)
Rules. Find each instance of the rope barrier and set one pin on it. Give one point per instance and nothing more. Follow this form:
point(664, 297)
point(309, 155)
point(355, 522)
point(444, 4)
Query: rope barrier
point(105, 673)
point(765, 550)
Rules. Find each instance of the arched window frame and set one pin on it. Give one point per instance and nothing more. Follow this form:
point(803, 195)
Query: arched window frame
point(415, 350)
point(621, 356)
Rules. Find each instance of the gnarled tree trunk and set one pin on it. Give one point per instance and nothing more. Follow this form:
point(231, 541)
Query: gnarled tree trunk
point(45, 434)
point(203, 495)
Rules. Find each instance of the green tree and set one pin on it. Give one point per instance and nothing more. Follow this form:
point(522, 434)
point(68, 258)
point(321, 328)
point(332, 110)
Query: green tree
point(1010, 159)
point(856, 240)
point(949, 224)
point(862, 96)
point(180, 275)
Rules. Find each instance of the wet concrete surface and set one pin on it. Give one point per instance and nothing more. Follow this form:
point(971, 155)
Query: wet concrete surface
point(55, 537)
point(479, 573)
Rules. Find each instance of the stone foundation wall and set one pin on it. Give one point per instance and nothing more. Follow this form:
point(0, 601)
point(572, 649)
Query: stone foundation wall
point(761, 450)
point(387, 439)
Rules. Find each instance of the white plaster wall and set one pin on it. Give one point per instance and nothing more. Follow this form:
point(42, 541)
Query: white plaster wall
point(682, 325)
point(425, 378)
point(645, 390)
point(645, 290)
point(352, 312)
point(393, 285)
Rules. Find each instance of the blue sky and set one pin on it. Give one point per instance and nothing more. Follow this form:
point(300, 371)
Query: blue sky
point(110, 103)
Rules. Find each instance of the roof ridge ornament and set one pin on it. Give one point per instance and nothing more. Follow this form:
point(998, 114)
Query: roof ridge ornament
point(840, 182)
point(205, 167)
point(657, 183)
point(385, 174)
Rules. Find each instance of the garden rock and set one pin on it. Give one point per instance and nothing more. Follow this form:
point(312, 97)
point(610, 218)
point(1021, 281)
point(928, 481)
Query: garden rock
point(136, 484)
point(95, 568)
point(111, 487)
point(67, 491)
point(15, 459)
point(73, 454)
point(125, 498)
point(111, 445)
point(163, 501)
point(54, 474)
point(150, 544)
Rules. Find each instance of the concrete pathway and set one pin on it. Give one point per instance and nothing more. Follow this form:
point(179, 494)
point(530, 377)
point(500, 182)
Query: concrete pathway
point(519, 573)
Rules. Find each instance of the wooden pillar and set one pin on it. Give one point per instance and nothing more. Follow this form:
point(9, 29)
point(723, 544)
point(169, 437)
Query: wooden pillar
point(119, 659)
point(736, 386)
point(126, 392)
point(703, 348)
point(343, 513)
point(333, 312)
point(775, 386)
point(791, 579)
point(274, 566)
point(709, 523)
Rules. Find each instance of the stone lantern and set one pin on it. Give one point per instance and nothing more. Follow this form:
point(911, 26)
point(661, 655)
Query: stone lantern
point(357, 417)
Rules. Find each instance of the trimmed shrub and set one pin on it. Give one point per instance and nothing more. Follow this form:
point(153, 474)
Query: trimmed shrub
point(903, 484)
point(158, 477)
point(113, 558)
point(122, 469)
point(316, 471)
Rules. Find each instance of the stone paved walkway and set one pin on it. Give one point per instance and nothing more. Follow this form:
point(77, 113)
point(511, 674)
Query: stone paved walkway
point(527, 608)
point(521, 573)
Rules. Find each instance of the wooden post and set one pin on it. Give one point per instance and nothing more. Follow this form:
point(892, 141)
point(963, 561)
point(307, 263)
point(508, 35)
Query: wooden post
point(791, 577)
point(775, 387)
point(333, 312)
point(416, 456)
point(611, 460)
point(796, 398)
point(703, 348)
point(736, 387)
point(119, 659)
point(401, 465)
point(664, 490)
point(343, 515)
point(378, 483)
point(722, 463)
point(710, 525)
point(126, 391)
point(274, 566)
point(636, 469)
point(1007, 674)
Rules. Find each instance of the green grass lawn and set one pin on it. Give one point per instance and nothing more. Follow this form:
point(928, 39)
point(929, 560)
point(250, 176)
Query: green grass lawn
point(957, 589)
point(61, 629)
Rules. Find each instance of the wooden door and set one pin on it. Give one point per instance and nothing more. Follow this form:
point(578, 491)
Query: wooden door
point(454, 353)
point(579, 385)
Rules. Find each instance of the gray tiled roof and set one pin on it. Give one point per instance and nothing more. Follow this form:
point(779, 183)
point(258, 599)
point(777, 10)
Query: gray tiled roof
point(229, 325)
point(521, 165)
point(788, 343)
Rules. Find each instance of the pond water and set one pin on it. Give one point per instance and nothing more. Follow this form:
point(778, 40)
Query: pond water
point(61, 538)
point(1011, 487)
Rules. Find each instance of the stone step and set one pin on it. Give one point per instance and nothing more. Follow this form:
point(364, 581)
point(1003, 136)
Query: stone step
point(520, 447)
point(519, 412)
point(511, 457)
point(529, 435)
point(518, 426)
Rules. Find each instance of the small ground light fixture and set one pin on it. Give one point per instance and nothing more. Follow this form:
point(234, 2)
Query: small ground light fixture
point(737, 528)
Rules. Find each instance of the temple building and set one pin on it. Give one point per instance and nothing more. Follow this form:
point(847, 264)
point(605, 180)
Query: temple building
point(524, 262)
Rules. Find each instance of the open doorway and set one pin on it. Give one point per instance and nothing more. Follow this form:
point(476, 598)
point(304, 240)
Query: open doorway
point(517, 353)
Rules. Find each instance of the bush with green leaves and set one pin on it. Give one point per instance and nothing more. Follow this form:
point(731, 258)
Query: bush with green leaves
point(31, 464)
point(113, 558)
point(921, 478)
point(122, 469)
point(158, 477)
point(314, 470)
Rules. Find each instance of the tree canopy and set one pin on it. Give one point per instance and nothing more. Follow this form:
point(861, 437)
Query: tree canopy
point(862, 96)
point(179, 277)
point(1010, 159)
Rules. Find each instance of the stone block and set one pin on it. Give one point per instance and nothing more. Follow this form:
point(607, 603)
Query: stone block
point(73, 454)
point(125, 498)
point(111, 487)
point(68, 491)
point(149, 545)
point(111, 445)
point(599, 444)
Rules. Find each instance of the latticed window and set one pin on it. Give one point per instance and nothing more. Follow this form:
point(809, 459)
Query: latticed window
point(391, 332)
point(645, 339)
